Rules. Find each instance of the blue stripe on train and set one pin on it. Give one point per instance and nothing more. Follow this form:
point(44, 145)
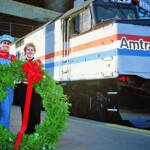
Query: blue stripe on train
point(84, 58)
point(49, 42)
point(130, 52)
point(99, 55)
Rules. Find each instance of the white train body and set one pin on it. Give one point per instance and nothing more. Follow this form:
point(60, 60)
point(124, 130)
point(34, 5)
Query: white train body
point(105, 52)
point(95, 52)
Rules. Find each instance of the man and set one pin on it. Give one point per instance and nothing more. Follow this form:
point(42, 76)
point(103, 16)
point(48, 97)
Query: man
point(5, 58)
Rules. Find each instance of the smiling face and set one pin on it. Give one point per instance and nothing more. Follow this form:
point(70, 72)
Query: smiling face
point(29, 52)
point(5, 45)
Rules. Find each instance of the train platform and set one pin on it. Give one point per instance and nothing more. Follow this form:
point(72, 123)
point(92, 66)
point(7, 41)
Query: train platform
point(83, 134)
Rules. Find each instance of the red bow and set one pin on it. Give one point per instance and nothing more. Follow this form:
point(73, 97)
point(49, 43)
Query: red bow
point(33, 71)
point(34, 74)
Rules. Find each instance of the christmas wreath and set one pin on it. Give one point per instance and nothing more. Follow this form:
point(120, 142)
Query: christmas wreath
point(55, 104)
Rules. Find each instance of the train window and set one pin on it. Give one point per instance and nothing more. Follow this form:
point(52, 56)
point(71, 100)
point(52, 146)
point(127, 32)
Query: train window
point(74, 26)
point(109, 12)
point(80, 23)
point(85, 24)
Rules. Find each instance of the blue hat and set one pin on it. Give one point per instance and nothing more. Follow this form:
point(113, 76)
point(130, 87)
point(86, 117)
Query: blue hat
point(7, 37)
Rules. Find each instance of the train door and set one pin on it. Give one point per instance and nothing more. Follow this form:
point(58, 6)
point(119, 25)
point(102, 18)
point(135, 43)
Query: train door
point(73, 27)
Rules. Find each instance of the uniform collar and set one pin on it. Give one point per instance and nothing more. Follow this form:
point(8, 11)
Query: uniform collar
point(30, 59)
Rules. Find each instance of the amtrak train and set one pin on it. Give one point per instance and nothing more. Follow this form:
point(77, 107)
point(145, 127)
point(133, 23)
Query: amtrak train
point(99, 51)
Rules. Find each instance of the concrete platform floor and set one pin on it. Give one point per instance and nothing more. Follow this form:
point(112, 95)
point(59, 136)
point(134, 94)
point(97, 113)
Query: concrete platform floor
point(83, 134)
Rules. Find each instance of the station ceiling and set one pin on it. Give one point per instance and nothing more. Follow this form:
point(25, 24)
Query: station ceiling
point(19, 17)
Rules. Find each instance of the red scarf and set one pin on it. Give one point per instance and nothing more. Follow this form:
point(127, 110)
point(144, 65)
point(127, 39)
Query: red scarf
point(5, 55)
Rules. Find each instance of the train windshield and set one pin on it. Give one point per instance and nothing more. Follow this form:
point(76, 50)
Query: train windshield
point(103, 13)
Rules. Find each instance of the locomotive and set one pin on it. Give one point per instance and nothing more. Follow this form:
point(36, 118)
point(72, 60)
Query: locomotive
point(99, 52)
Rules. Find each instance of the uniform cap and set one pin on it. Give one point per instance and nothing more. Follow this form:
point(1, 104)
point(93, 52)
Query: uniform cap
point(6, 37)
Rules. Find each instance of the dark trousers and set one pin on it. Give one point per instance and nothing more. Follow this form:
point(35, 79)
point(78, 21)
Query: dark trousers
point(35, 106)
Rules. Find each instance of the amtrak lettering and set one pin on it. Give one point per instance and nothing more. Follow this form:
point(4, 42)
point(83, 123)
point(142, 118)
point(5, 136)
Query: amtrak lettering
point(137, 45)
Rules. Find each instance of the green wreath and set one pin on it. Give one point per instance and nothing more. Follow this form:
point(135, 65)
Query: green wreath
point(54, 101)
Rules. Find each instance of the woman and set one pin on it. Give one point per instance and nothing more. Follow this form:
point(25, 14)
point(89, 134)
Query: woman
point(35, 105)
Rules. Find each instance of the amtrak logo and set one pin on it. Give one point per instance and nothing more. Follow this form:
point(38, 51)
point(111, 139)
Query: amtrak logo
point(135, 45)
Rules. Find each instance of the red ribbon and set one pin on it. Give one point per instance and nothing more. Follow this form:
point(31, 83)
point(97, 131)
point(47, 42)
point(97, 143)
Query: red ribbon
point(33, 75)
